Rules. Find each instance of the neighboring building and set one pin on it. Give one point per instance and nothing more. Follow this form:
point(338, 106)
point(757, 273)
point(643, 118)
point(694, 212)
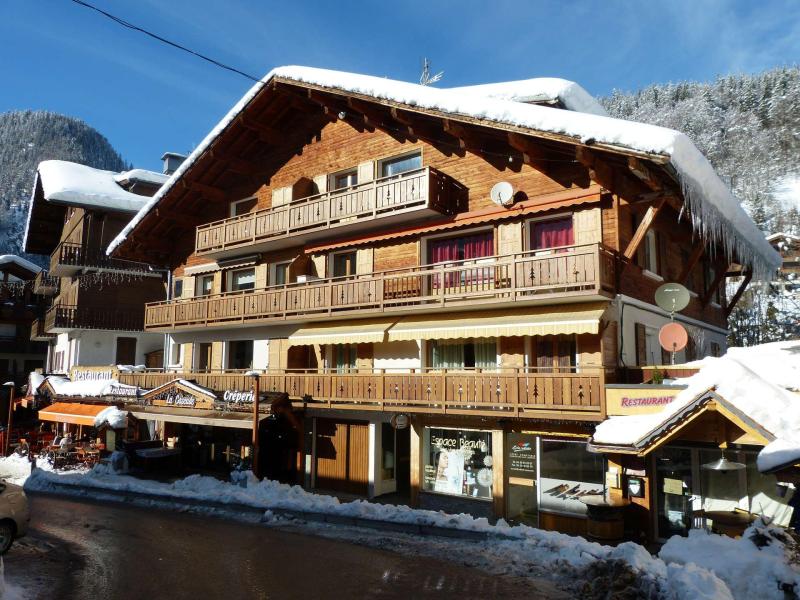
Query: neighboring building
point(97, 311)
point(21, 308)
point(338, 234)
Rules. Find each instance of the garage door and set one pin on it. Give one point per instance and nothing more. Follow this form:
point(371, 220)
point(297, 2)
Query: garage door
point(342, 456)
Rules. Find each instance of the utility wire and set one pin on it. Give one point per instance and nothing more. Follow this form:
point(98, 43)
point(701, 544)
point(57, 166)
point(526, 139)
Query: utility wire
point(129, 25)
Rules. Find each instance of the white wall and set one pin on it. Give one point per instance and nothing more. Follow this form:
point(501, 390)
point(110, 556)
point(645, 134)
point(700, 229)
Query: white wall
point(397, 356)
point(94, 348)
point(260, 354)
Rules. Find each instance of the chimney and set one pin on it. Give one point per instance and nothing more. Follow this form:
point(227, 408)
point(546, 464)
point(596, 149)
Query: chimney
point(172, 160)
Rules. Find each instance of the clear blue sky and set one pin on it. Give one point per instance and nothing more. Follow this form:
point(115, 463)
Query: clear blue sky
point(147, 98)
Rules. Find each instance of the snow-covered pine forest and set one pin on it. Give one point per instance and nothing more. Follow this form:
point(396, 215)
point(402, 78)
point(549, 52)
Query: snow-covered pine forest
point(29, 137)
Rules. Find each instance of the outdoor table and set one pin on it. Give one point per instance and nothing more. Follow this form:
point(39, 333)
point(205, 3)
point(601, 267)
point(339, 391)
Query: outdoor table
point(605, 517)
point(730, 523)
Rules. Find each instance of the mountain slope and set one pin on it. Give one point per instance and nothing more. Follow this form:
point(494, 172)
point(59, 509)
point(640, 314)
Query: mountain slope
point(29, 137)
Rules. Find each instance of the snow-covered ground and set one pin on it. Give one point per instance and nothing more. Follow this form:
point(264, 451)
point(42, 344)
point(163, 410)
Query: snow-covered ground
point(701, 566)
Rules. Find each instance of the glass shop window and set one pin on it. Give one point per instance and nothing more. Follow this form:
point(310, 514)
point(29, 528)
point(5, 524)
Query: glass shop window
point(568, 472)
point(458, 462)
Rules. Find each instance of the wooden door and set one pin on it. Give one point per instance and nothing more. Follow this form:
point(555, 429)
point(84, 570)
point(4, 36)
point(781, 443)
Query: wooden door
point(342, 456)
point(126, 351)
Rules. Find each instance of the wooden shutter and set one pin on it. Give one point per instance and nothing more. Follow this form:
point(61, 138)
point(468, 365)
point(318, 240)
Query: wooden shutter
point(281, 196)
point(320, 183)
point(364, 261)
point(586, 225)
point(366, 171)
point(641, 344)
point(509, 238)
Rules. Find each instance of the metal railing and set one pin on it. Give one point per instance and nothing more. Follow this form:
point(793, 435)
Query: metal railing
point(421, 188)
point(66, 317)
point(564, 272)
point(46, 284)
point(69, 257)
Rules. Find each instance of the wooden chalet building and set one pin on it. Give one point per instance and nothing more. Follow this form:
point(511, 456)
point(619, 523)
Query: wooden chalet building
point(96, 313)
point(337, 234)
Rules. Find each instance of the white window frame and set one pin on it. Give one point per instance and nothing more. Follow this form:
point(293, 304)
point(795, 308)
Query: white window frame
point(273, 271)
point(331, 261)
point(229, 279)
point(332, 179)
point(232, 206)
point(397, 157)
point(198, 286)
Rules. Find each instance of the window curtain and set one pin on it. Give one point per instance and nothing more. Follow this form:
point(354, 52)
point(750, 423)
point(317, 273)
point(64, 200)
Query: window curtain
point(447, 355)
point(345, 358)
point(553, 234)
point(486, 354)
point(460, 249)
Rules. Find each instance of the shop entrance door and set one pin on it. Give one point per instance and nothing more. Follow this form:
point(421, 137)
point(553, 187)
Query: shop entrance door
point(673, 491)
point(342, 456)
point(522, 500)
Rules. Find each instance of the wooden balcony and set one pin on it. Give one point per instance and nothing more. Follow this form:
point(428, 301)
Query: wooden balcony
point(575, 273)
point(38, 332)
point(46, 284)
point(508, 393)
point(402, 198)
point(69, 259)
point(63, 318)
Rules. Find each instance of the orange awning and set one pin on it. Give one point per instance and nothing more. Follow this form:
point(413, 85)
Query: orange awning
point(72, 412)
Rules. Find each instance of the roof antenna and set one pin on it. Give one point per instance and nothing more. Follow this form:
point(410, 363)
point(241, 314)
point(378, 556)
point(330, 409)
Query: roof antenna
point(426, 78)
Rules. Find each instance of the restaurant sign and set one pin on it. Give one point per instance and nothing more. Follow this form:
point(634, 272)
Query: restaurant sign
point(77, 373)
point(181, 394)
point(639, 399)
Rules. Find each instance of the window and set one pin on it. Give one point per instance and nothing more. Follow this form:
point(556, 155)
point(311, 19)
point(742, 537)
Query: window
point(567, 473)
point(387, 451)
point(459, 354)
point(458, 462)
point(242, 207)
point(552, 234)
point(461, 248)
point(554, 353)
point(126, 351)
point(709, 275)
point(205, 285)
point(344, 358)
point(243, 279)
point(400, 164)
point(240, 354)
point(203, 356)
point(648, 348)
point(177, 288)
point(650, 258)
point(345, 179)
point(8, 331)
point(280, 273)
point(344, 264)
point(175, 354)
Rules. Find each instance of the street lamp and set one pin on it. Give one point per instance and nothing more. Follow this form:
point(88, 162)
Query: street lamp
point(254, 463)
point(7, 437)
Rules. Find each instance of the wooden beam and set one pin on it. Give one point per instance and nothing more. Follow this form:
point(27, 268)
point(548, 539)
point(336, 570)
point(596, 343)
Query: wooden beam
point(236, 164)
point(458, 131)
point(721, 271)
point(265, 133)
point(638, 168)
point(698, 251)
point(644, 227)
point(748, 275)
point(207, 191)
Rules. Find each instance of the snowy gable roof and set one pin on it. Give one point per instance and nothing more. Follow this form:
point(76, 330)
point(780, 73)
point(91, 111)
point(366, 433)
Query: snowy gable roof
point(761, 383)
point(715, 211)
point(13, 259)
point(540, 89)
point(141, 175)
point(65, 182)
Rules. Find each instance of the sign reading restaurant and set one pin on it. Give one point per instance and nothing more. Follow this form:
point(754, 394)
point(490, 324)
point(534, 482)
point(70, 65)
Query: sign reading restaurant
point(77, 373)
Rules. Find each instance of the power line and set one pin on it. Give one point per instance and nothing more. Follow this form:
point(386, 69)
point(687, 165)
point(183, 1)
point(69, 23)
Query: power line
point(129, 25)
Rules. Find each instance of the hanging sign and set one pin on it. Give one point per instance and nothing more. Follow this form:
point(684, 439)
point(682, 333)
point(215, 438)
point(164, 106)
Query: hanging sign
point(93, 373)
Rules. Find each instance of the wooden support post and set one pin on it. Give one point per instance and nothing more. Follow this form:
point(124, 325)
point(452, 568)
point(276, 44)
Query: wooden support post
point(415, 451)
point(255, 466)
point(721, 272)
point(687, 268)
point(748, 275)
point(7, 437)
point(644, 227)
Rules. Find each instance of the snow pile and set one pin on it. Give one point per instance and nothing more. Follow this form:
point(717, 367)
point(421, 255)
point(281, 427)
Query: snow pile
point(9, 259)
point(709, 567)
point(16, 469)
point(760, 564)
point(66, 182)
point(34, 381)
point(759, 381)
point(716, 213)
point(63, 386)
point(131, 368)
point(113, 417)
point(786, 190)
point(539, 89)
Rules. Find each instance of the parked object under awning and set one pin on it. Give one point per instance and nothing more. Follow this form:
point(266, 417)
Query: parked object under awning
point(342, 332)
point(72, 412)
point(543, 320)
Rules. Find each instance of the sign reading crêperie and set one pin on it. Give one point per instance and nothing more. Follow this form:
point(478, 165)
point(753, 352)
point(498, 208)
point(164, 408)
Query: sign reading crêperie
point(181, 394)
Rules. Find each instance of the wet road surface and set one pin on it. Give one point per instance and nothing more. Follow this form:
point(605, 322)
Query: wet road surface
point(86, 549)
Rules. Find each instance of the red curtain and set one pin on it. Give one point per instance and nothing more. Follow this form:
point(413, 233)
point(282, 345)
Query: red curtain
point(552, 234)
point(458, 249)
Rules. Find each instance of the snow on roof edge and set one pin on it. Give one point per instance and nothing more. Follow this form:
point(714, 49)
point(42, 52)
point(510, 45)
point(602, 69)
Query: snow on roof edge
point(716, 213)
point(18, 260)
point(30, 211)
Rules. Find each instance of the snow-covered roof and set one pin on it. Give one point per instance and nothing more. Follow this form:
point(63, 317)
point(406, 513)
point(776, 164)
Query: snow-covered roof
point(539, 89)
point(142, 175)
point(716, 213)
point(760, 382)
point(65, 182)
point(9, 259)
point(63, 386)
point(783, 236)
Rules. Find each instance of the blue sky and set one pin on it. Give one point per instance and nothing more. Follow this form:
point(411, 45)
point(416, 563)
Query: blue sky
point(147, 98)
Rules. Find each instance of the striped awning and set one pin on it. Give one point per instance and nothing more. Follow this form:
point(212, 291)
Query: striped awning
point(72, 412)
point(543, 320)
point(342, 332)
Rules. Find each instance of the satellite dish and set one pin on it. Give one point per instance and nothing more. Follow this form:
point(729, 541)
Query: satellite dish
point(673, 337)
point(502, 193)
point(672, 297)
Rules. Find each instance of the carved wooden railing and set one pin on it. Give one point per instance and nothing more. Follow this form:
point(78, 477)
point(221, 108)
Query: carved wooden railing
point(46, 284)
point(571, 393)
point(561, 272)
point(88, 317)
point(421, 188)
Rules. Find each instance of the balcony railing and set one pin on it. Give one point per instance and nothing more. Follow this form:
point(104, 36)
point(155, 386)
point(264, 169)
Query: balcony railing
point(505, 393)
point(576, 272)
point(424, 191)
point(69, 258)
point(62, 318)
point(46, 284)
point(38, 332)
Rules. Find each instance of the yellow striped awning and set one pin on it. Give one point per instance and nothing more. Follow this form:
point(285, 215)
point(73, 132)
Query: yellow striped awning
point(540, 320)
point(342, 332)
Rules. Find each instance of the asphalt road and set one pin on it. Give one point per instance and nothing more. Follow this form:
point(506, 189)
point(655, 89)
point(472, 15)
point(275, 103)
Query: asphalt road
point(85, 549)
